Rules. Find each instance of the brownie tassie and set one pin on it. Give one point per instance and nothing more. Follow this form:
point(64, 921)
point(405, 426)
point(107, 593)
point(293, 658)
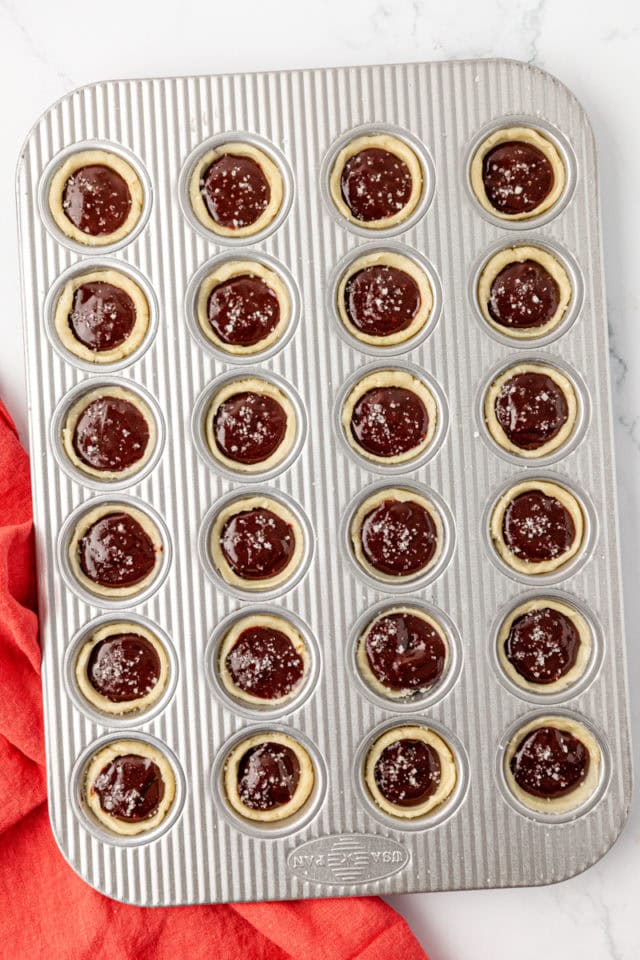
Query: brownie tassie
point(115, 550)
point(376, 181)
point(251, 425)
point(517, 173)
point(129, 787)
point(544, 645)
point(243, 307)
point(403, 652)
point(236, 190)
point(263, 660)
point(524, 292)
point(256, 543)
point(109, 433)
point(537, 527)
point(410, 771)
point(552, 764)
point(96, 197)
point(122, 667)
point(531, 410)
point(390, 417)
point(384, 298)
point(396, 535)
point(101, 316)
point(268, 777)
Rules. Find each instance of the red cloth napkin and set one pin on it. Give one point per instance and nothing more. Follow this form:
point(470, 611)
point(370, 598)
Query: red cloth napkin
point(45, 909)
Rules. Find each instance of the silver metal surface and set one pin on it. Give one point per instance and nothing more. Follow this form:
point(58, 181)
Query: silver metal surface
point(340, 844)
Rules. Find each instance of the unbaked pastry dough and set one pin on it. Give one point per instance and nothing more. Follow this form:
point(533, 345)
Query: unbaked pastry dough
point(584, 650)
point(524, 135)
point(253, 503)
point(91, 517)
point(105, 756)
point(448, 771)
point(569, 801)
point(363, 661)
point(87, 158)
point(493, 424)
point(518, 254)
point(97, 699)
point(64, 307)
point(272, 176)
point(302, 792)
point(76, 411)
point(264, 388)
point(239, 268)
point(268, 622)
point(400, 149)
point(568, 501)
point(373, 501)
point(390, 378)
point(386, 258)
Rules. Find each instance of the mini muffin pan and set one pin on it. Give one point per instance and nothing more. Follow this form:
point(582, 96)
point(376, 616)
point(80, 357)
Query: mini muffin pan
point(340, 842)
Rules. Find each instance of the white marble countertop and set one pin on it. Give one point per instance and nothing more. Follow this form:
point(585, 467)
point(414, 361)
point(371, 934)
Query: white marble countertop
point(47, 49)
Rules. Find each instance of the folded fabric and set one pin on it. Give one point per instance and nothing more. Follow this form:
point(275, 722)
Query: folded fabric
point(45, 909)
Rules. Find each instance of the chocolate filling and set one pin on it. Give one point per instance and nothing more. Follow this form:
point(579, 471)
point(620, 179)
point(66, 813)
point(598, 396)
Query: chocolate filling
point(116, 551)
point(249, 427)
point(523, 296)
point(550, 763)
point(399, 537)
point(102, 316)
point(130, 788)
point(405, 652)
point(517, 177)
point(389, 421)
point(235, 191)
point(375, 184)
point(124, 667)
point(531, 408)
point(381, 301)
point(542, 645)
point(96, 200)
point(268, 775)
point(111, 434)
point(257, 544)
point(407, 772)
point(264, 663)
point(243, 311)
point(537, 527)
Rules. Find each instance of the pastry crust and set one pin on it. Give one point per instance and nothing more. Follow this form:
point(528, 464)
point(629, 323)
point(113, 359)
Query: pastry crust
point(568, 501)
point(584, 650)
point(64, 306)
point(103, 158)
point(76, 411)
point(302, 792)
point(371, 502)
point(572, 800)
point(269, 622)
point(400, 149)
point(106, 756)
point(271, 173)
point(238, 268)
point(240, 506)
point(91, 517)
point(391, 378)
point(387, 258)
point(524, 135)
point(97, 699)
point(448, 770)
point(518, 254)
point(495, 429)
point(363, 661)
point(264, 388)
